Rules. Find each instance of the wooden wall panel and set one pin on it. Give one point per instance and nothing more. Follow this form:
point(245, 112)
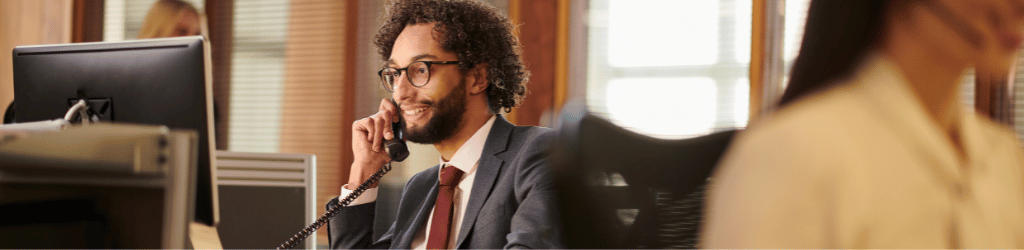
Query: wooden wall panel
point(87, 23)
point(758, 64)
point(318, 95)
point(219, 16)
point(561, 87)
point(994, 97)
point(543, 27)
point(29, 22)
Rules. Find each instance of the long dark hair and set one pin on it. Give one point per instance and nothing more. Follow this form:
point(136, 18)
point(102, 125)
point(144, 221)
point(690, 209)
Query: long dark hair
point(837, 37)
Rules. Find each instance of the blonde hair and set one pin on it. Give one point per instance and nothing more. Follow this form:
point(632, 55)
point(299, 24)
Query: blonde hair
point(165, 15)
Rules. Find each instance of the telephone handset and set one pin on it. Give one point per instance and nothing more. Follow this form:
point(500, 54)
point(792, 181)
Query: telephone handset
point(395, 148)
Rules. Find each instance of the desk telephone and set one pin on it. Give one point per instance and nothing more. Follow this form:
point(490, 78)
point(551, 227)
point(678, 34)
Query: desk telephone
point(395, 148)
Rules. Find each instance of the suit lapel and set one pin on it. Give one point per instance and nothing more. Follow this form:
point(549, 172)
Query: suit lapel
point(423, 211)
point(487, 172)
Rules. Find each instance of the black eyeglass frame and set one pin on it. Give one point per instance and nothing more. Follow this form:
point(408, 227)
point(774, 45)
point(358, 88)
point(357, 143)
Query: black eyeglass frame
point(390, 86)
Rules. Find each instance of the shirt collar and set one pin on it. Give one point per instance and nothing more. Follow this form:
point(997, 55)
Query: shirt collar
point(469, 153)
point(891, 95)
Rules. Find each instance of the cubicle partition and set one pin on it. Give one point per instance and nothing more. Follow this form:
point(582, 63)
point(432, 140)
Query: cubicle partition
point(99, 186)
point(265, 198)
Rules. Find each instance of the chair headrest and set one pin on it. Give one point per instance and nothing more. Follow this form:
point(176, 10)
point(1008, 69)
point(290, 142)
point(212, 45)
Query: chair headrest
point(590, 143)
point(590, 150)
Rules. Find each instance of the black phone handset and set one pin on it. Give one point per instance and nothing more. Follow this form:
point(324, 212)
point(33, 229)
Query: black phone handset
point(395, 148)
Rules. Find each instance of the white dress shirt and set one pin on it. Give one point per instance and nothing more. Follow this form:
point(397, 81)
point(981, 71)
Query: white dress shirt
point(466, 159)
point(863, 165)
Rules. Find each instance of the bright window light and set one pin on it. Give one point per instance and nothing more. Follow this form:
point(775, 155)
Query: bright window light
point(796, 13)
point(742, 108)
point(664, 107)
point(742, 31)
point(643, 33)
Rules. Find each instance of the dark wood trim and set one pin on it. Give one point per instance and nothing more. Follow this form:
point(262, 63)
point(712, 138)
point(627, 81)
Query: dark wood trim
point(538, 32)
point(348, 91)
point(515, 16)
point(561, 82)
point(87, 21)
point(993, 97)
point(219, 22)
point(982, 93)
point(758, 64)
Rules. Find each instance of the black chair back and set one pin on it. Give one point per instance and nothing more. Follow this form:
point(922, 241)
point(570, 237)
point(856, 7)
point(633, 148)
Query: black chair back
point(620, 189)
point(9, 114)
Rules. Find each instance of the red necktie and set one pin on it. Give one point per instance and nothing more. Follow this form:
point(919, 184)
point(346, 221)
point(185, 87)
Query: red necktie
point(441, 222)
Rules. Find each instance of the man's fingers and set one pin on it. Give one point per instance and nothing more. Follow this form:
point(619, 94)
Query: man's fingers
point(370, 128)
point(386, 117)
point(379, 128)
point(390, 113)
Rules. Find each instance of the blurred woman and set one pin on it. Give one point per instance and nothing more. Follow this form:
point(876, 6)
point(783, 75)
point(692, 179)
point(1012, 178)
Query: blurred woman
point(870, 147)
point(172, 18)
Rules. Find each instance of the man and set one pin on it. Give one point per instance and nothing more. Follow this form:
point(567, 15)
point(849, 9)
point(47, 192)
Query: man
point(451, 66)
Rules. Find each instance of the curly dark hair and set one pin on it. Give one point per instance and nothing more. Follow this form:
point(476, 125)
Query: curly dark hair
point(476, 32)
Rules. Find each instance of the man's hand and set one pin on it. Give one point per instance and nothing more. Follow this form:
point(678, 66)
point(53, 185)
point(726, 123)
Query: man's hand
point(368, 136)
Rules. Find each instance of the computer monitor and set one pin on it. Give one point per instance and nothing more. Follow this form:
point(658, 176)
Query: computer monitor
point(163, 81)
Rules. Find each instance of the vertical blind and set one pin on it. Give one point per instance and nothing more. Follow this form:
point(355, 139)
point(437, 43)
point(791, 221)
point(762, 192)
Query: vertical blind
point(260, 32)
point(1018, 97)
point(669, 69)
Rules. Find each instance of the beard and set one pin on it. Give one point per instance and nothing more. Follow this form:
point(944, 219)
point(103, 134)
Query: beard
point(445, 121)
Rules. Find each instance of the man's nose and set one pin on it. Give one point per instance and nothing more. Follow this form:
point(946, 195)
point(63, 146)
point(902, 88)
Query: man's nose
point(403, 88)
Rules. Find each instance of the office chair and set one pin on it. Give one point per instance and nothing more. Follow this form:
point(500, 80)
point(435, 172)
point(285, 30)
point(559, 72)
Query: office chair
point(621, 189)
point(9, 114)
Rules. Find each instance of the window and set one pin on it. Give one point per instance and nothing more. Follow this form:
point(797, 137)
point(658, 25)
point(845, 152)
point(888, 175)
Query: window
point(669, 69)
point(258, 75)
point(1018, 97)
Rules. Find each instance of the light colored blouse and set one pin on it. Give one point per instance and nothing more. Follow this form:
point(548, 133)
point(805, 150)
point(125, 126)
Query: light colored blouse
point(863, 166)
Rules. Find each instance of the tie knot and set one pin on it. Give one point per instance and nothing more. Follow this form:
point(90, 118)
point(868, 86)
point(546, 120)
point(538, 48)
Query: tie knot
point(450, 175)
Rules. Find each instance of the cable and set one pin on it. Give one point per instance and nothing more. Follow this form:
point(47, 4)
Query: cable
point(80, 107)
point(334, 209)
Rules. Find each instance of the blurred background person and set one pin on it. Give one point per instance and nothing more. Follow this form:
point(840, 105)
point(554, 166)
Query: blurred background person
point(172, 18)
point(870, 147)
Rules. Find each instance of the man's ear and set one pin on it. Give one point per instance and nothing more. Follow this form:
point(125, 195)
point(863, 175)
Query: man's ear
point(478, 79)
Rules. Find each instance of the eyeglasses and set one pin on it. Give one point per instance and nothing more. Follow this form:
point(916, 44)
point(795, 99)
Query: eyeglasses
point(417, 72)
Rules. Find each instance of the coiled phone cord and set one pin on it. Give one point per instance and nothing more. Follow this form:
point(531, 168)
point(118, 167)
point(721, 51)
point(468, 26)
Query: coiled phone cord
point(334, 209)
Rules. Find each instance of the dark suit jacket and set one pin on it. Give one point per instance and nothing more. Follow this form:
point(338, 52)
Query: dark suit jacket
point(511, 204)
